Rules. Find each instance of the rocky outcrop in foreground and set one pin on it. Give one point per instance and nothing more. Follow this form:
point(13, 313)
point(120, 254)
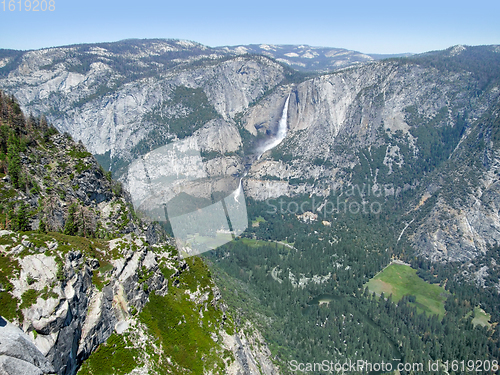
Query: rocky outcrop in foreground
point(18, 354)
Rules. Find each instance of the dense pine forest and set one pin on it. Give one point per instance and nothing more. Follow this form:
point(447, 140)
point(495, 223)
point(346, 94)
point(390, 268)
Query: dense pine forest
point(260, 274)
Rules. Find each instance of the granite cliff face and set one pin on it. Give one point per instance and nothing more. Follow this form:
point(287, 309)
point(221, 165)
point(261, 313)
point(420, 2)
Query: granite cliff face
point(80, 302)
point(399, 119)
point(18, 354)
point(110, 112)
point(462, 221)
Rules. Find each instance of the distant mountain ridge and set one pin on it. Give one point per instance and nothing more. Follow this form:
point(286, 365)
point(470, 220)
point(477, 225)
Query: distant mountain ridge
point(306, 58)
point(302, 57)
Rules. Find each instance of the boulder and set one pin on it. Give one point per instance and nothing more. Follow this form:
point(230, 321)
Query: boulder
point(18, 355)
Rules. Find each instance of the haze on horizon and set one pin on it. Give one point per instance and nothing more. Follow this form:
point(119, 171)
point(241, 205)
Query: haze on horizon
point(384, 27)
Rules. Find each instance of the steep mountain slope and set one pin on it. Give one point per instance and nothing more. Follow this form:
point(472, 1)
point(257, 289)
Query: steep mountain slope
point(399, 119)
point(81, 276)
point(462, 218)
point(177, 88)
point(387, 125)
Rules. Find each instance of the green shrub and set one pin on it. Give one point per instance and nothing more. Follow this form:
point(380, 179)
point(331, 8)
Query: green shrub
point(71, 225)
point(30, 279)
point(113, 357)
point(29, 298)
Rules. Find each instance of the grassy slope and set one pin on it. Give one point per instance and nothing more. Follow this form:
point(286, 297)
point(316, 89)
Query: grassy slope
point(184, 329)
point(115, 357)
point(400, 280)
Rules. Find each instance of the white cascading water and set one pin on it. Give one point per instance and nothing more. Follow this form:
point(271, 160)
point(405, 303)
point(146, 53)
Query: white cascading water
point(238, 191)
point(280, 135)
point(270, 144)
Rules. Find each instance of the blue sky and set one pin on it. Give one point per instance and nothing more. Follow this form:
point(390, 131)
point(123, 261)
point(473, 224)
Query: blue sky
point(367, 26)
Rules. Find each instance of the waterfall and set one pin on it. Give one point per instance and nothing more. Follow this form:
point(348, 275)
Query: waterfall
point(238, 192)
point(280, 135)
point(267, 145)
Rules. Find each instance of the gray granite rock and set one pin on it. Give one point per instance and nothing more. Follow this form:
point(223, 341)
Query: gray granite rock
point(18, 355)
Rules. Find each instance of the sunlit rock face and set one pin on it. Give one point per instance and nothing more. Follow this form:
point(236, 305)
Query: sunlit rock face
point(232, 104)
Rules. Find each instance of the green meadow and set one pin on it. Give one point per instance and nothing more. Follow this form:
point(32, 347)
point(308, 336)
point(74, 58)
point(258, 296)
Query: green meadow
point(257, 221)
point(400, 280)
